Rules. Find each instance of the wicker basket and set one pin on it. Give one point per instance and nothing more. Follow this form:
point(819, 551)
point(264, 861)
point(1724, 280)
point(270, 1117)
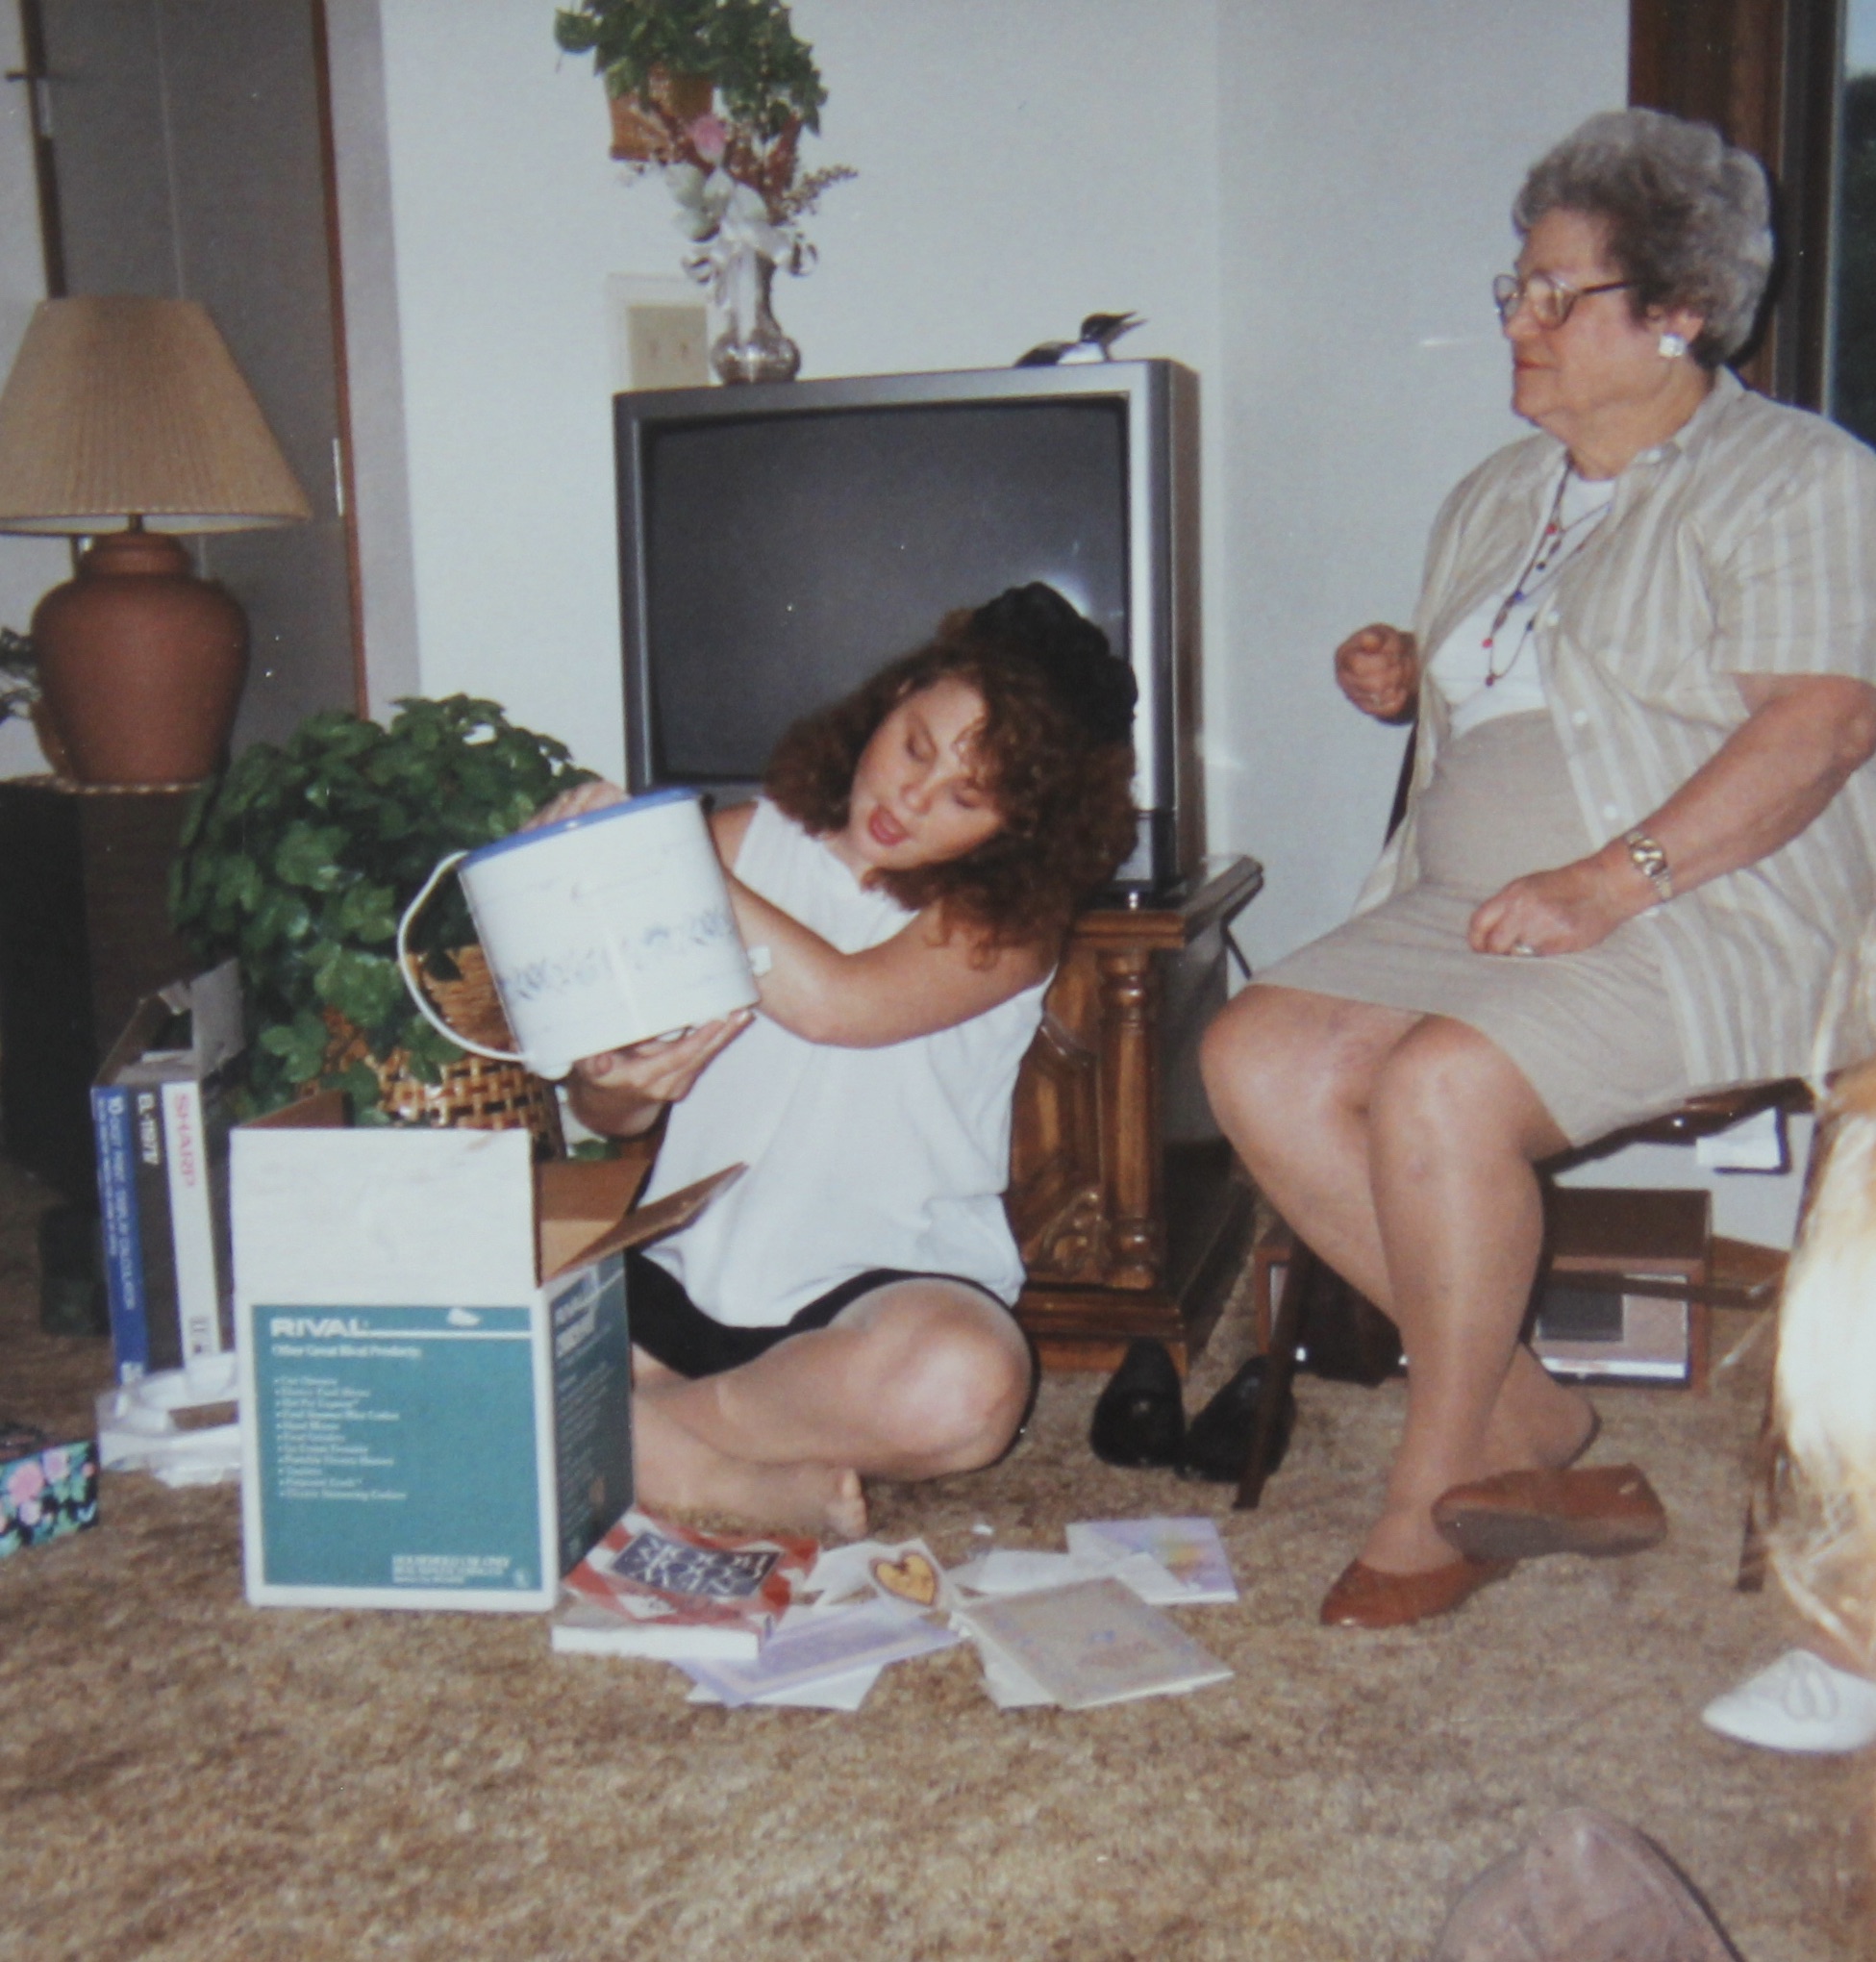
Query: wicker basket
point(476, 1094)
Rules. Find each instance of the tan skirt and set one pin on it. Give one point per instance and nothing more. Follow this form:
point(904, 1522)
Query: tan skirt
point(1593, 1033)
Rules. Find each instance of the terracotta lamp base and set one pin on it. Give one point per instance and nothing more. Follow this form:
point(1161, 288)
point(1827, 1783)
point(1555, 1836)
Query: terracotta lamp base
point(140, 663)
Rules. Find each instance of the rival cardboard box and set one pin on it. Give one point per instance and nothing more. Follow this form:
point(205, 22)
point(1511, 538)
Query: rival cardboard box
point(435, 1368)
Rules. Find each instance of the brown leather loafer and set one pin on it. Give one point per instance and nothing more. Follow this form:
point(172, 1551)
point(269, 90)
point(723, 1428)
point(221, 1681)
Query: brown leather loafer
point(1520, 1515)
point(1366, 1598)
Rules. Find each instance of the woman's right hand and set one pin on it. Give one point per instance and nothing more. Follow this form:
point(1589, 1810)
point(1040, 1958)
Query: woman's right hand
point(594, 795)
point(1378, 669)
point(621, 1091)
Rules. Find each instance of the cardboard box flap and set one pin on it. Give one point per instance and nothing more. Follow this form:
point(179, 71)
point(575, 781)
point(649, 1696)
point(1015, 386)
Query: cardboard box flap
point(578, 1199)
point(569, 1241)
point(150, 1016)
point(215, 1009)
point(325, 1110)
point(210, 1004)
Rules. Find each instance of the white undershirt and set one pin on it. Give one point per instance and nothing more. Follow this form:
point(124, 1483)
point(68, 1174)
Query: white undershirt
point(1459, 666)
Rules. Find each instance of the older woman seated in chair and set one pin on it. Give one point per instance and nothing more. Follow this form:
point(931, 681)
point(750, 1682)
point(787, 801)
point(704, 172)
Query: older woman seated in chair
point(1639, 837)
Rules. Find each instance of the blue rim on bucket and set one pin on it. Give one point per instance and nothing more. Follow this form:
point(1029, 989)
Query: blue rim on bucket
point(581, 821)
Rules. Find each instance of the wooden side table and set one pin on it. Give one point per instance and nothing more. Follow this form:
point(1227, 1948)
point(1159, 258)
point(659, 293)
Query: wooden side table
point(85, 934)
point(1123, 1197)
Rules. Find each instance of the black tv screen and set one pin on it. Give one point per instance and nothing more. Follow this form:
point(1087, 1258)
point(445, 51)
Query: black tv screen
point(788, 559)
point(779, 542)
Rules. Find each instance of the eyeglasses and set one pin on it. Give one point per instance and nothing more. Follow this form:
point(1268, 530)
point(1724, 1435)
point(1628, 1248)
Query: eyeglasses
point(1551, 300)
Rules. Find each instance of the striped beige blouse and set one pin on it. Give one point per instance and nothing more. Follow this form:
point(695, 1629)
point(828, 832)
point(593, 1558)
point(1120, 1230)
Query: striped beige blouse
point(1744, 544)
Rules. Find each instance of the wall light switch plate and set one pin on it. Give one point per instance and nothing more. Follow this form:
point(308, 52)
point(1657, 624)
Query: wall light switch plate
point(660, 333)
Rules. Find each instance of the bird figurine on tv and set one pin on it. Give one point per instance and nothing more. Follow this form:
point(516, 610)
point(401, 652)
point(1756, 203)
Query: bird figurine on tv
point(1098, 334)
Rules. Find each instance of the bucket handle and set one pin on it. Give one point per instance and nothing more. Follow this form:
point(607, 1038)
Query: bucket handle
point(407, 965)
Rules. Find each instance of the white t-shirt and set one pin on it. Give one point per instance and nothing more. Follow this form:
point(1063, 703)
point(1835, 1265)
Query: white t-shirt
point(892, 1157)
point(1462, 662)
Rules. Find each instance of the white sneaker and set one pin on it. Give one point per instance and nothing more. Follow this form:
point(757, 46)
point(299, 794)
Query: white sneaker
point(1801, 1702)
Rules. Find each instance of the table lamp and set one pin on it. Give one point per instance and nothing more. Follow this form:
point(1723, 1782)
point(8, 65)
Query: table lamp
point(131, 411)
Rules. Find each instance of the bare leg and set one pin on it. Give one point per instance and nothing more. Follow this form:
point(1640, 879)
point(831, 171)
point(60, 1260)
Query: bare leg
point(675, 1467)
point(1289, 1076)
point(912, 1381)
point(1402, 1146)
point(1454, 1130)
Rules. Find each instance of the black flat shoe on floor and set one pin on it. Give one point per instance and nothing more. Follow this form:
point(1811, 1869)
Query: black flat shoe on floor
point(1140, 1417)
point(1219, 1439)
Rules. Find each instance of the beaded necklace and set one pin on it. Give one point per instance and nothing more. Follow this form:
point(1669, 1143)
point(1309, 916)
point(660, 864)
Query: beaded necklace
point(1546, 558)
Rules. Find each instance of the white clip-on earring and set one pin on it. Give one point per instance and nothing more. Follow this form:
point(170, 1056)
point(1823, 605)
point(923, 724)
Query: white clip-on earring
point(1672, 346)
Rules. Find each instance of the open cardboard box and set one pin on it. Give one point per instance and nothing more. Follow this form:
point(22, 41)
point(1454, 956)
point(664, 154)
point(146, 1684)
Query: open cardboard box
point(436, 1364)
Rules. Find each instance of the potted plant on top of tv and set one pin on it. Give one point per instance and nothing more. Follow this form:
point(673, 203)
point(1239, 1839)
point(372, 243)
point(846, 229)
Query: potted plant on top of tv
point(662, 59)
point(737, 175)
point(299, 859)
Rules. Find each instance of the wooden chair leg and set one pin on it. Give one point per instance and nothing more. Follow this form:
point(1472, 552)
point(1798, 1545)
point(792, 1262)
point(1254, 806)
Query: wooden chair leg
point(1279, 1376)
point(1759, 1502)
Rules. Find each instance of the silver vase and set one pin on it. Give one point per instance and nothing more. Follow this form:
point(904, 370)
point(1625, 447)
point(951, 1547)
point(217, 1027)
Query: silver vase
point(752, 346)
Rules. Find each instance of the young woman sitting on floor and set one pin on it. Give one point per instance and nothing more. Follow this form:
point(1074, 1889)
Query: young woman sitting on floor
point(842, 1311)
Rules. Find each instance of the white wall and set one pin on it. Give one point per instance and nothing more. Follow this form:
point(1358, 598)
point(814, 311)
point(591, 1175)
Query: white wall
point(1004, 192)
point(1369, 164)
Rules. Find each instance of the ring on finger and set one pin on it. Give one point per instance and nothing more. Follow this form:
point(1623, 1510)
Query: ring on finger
point(1524, 950)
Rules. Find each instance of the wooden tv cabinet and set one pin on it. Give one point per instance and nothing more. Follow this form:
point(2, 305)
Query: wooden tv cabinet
point(1124, 1198)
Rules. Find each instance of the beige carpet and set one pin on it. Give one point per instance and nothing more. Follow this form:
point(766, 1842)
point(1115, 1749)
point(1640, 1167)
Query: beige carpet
point(182, 1776)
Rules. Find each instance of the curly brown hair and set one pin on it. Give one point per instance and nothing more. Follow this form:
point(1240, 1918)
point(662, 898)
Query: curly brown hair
point(1064, 788)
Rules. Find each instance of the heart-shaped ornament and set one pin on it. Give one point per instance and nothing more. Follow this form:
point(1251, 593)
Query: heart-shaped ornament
point(912, 1577)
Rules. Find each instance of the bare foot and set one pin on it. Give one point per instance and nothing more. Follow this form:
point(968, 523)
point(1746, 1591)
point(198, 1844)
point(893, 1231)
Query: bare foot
point(1569, 1442)
point(1538, 1424)
point(1405, 1542)
point(676, 1468)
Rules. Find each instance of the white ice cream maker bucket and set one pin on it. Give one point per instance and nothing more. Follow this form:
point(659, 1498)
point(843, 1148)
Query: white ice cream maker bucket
point(603, 930)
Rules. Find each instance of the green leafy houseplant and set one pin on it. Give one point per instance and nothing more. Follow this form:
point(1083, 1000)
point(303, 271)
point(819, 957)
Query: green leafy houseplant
point(764, 73)
point(667, 62)
point(299, 859)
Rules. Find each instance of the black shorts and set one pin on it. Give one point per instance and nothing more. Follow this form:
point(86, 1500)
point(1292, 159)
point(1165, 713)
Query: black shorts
point(667, 1324)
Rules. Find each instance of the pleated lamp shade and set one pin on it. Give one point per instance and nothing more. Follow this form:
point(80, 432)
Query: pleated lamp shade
point(120, 408)
point(131, 412)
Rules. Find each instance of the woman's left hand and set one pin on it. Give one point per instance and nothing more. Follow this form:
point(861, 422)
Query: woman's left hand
point(1563, 911)
point(1803, 738)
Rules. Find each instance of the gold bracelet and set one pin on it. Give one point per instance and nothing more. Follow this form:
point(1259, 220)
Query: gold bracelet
point(1651, 861)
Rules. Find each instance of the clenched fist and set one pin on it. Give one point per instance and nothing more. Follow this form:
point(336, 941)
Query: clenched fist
point(1378, 669)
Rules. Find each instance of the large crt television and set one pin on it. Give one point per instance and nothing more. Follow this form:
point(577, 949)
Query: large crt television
point(779, 541)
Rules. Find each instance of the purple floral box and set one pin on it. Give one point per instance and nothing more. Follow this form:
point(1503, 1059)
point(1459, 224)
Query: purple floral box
point(45, 1489)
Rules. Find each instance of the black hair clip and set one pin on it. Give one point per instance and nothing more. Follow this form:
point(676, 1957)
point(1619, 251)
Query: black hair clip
point(1085, 674)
